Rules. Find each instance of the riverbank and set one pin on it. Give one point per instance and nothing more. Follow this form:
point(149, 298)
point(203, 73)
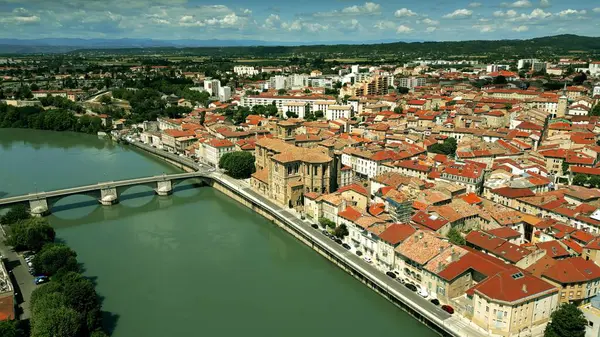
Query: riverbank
point(421, 309)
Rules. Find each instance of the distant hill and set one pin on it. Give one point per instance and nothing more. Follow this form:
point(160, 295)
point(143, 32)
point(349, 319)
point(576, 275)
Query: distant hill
point(551, 45)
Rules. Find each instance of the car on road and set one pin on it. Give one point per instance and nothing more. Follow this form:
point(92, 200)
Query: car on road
point(315, 226)
point(448, 309)
point(40, 279)
point(359, 253)
point(423, 292)
point(434, 301)
point(326, 233)
point(347, 246)
point(401, 280)
point(338, 241)
point(410, 286)
point(367, 259)
point(390, 274)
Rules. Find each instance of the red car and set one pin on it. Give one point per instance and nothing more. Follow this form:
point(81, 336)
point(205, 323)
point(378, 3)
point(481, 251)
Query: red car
point(448, 309)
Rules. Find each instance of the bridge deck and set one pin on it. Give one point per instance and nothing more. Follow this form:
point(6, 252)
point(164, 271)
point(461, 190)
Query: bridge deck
point(93, 187)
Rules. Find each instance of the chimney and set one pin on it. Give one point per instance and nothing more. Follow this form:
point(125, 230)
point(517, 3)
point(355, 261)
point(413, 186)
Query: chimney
point(524, 288)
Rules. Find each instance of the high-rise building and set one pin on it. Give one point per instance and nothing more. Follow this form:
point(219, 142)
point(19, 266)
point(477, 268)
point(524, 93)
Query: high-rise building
point(224, 94)
point(412, 82)
point(212, 86)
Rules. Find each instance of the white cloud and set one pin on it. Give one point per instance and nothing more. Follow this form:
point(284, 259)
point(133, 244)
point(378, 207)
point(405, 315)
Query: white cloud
point(459, 14)
point(484, 28)
point(298, 25)
point(403, 29)
point(536, 14)
point(314, 27)
point(430, 29)
point(544, 3)
point(272, 22)
point(509, 14)
point(350, 25)
point(520, 4)
point(247, 11)
point(596, 10)
point(404, 12)
point(293, 26)
point(385, 25)
point(367, 8)
point(430, 22)
point(569, 12)
point(521, 29)
point(475, 4)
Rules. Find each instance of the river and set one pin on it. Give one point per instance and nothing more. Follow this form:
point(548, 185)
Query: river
point(192, 264)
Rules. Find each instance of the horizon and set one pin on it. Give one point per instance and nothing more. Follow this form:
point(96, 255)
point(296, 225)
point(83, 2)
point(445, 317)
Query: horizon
point(310, 22)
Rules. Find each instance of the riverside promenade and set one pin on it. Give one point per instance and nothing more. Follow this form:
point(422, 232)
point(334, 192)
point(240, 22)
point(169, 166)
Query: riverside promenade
point(429, 314)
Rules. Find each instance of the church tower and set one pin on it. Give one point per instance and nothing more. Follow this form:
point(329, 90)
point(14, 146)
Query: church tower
point(563, 102)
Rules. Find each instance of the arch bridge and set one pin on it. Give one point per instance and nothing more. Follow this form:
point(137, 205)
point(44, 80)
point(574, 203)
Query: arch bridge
point(107, 193)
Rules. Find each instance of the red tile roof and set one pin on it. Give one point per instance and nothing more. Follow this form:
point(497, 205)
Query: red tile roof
point(430, 221)
point(513, 285)
point(553, 249)
point(350, 213)
point(512, 193)
point(571, 270)
point(354, 187)
point(397, 233)
point(504, 233)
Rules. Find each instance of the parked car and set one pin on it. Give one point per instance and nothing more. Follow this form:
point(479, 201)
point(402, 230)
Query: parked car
point(448, 309)
point(326, 233)
point(434, 301)
point(390, 274)
point(315, 226)
point(423, 292)
point(40, 279)
point(410, 286)
point(347, 246)
point(401, 280)
point(359, 253)
point(367, 259)
point(338, 241)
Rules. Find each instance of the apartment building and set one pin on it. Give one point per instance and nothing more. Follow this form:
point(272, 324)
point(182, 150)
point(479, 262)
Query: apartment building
point(245, 70)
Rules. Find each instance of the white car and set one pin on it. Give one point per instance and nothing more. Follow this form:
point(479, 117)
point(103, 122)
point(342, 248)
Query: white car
point(367, 259)
point(423, 292)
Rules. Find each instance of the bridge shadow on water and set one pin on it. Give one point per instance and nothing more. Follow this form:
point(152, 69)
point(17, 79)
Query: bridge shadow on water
point(105, 213)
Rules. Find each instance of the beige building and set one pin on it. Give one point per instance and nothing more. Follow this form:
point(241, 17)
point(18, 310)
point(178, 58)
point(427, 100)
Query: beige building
point(284, 172)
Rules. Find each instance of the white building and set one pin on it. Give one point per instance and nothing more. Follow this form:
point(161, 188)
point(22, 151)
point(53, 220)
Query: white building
point(278, 82)
point(334, 112)
point(412, 82)
point(224, 94)
point(245, 70)
point(297, 108)
point(596, 91)
point(521, 63)
point(595, 68)
point(354, 69)
point(252, 100)
point(297, 81)
point(212, 86)
point(214, 149)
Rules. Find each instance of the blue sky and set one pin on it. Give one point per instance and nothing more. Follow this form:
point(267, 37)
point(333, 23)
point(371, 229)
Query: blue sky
point(306, 20)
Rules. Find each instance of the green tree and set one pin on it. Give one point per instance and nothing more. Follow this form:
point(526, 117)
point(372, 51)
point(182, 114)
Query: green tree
point(580, 179)
point(319, 114)
point(291, 114)
point(239, 165)
point(398, 109)
point(341, 231)
point(326, 223)
point(61, 321)
point(281, 92)
point(30, 234)
point(11, 328)
point(594, 181)
point(15, 214)
point(403, 90)
point(499, 80)
point(567, 321)
point(105, 99)
point(596, 110)
point(455, 237)
point(448, 147)
point(55, 257)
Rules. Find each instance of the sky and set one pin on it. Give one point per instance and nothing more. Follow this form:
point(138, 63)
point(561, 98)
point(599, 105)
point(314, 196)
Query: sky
point(298, 21)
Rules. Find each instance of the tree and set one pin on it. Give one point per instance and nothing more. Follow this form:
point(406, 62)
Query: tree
point(594, 181)
point(105, 99)
point(455, 237)
point(398, 109)
point(448, 147)
point(596, 110)
point(499, 80)
point(55, 257)
point(11, 328)
point(291, 114)
point(341, 231)
point(403, 90)
point(30, 234)
point(580, 179)
point(15, 214)
point(238, 165)
point(326, 223)
point(281, 92)
point(61, 321)
point(580, 78)
point(567, 321)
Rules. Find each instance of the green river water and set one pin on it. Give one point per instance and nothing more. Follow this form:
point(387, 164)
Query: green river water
point(192, 264)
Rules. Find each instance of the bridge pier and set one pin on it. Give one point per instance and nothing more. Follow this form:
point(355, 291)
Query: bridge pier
point(108, 196)
point(164, 187)
point(39, 207)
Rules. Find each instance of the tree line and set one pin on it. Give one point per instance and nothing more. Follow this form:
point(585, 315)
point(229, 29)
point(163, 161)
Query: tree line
point(35, 117)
